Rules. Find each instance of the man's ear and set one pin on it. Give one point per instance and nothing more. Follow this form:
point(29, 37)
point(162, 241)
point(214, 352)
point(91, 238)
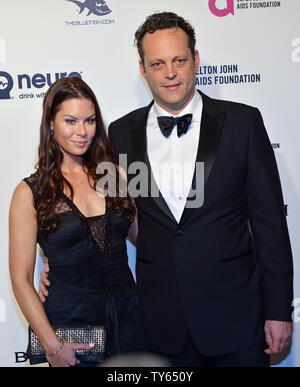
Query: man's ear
point(196, 60)
point(142, 68)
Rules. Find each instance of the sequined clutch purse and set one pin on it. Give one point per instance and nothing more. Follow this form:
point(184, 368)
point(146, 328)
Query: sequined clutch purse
point(89, 334)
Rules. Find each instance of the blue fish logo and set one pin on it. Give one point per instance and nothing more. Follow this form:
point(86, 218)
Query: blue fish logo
point(97, 7)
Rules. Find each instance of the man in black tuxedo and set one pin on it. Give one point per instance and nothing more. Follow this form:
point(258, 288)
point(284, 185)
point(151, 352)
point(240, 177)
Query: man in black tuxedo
point(215, 281)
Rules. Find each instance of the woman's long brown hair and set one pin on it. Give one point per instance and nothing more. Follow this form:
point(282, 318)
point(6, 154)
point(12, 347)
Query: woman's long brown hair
point(50, 182)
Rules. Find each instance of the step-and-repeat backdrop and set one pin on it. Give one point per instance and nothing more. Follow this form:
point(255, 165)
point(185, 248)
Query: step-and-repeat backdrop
point(249, 50)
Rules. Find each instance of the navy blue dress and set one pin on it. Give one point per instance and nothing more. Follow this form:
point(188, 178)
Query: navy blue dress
point(91, 282)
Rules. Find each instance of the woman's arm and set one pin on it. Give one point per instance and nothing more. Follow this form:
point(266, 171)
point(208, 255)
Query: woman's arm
point(22, 255)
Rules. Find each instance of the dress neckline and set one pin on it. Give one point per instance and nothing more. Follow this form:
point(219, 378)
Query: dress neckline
point(76, 209)
point(86, 221)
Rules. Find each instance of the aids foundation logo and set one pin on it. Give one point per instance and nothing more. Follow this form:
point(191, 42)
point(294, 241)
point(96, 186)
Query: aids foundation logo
point(225, 74)
point(93, 8)
point(226, 10)
point(29, 86)
point(223, 8)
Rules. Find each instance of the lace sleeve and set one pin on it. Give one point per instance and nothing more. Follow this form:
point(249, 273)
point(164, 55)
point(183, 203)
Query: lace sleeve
point(31, 180)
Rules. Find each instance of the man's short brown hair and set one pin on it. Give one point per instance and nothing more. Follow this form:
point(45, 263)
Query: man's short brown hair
point(162, 21)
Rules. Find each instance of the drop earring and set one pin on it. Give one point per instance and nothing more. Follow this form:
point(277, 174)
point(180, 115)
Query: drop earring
point(51, 132)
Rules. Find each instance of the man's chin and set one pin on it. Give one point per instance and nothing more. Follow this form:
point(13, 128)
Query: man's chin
point(174, 105)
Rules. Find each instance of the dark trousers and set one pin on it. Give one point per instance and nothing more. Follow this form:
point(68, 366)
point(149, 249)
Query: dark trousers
point(191, 357)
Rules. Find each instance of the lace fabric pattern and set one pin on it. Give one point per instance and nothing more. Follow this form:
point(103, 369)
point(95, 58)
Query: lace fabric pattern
point(98, 227)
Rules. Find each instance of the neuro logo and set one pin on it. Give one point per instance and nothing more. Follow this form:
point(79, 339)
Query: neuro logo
point(30, 82)
point(6, 84)
point(220, 12)
point(98, 8)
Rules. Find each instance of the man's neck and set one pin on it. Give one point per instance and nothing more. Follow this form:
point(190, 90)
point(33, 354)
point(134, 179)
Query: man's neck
point(174, 111)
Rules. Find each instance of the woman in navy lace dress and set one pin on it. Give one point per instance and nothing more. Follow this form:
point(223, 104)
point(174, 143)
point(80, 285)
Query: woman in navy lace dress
point(81, 231)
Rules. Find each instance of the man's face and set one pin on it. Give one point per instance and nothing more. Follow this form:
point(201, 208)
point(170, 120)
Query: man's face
point(169, 68)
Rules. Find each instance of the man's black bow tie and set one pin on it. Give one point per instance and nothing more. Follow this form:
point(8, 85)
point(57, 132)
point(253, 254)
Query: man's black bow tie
point(166, 124)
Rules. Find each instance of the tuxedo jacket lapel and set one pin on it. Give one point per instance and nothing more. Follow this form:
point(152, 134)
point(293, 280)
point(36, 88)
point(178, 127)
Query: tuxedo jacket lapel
point(159, 199)
point(210, 133)
point(139, 144)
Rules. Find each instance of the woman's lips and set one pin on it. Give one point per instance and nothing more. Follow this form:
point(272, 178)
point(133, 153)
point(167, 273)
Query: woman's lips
point(80, 143)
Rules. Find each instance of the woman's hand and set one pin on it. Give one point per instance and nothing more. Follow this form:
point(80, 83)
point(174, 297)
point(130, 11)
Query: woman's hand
point(43, 292)
point(133, 231)
point(64, 356)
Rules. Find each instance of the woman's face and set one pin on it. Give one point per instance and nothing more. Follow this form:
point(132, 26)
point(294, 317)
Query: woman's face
point(74, 126)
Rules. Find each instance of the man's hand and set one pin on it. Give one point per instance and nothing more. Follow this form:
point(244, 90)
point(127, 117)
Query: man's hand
point(43, 292)
point(278, 335)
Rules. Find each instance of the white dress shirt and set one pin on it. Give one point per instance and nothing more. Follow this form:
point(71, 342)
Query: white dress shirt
point(173, 159)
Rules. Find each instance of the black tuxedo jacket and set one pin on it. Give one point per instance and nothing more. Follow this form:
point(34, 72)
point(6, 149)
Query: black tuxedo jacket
point(227, 266)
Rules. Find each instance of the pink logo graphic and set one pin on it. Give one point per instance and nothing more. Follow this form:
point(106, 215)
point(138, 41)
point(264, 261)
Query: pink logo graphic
point(221, 12)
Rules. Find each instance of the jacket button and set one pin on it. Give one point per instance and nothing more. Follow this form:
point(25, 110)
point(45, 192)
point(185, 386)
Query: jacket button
point(179, 233)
